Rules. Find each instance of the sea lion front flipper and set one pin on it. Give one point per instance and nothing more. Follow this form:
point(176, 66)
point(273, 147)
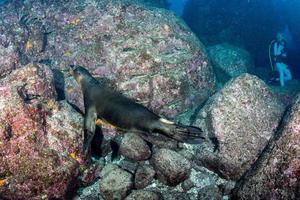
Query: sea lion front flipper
point(89, 127)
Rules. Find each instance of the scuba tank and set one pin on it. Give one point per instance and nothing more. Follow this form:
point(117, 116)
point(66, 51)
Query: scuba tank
point(270, 55)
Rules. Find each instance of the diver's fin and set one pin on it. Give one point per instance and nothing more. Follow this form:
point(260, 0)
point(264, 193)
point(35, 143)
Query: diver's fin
point(181, 133)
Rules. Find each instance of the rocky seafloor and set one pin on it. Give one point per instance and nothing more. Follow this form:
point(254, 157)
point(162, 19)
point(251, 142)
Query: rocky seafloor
point(252, 135)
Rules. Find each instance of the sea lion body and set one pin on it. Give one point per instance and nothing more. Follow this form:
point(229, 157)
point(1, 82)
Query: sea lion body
point(120, 111)
point(105, 103)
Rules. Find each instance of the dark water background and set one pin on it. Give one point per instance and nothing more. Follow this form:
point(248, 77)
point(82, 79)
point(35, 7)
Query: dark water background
point(251, 24)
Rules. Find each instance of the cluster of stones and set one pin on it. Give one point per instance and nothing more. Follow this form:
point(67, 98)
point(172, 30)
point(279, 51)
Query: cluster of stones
point(245, 117)
point(139, 168)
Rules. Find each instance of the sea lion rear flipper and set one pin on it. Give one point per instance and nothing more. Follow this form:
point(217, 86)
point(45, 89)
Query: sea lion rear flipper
point(189, 134)
point(89, 127)
point(181, 133)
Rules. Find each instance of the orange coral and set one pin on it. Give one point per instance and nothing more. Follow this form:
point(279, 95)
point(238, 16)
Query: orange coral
point(28, 45)
point(75, 22)
point(73, 155)
point(67, 53)
point(2, 182)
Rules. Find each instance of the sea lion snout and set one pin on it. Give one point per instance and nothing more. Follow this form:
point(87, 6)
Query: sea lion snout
point(72, 69)
point(77, 72)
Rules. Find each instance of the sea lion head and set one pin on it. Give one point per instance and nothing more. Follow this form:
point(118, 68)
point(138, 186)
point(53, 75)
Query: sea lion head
point(79, 73)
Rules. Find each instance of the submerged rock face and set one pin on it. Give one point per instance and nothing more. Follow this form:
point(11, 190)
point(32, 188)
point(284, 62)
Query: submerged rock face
point(37, 135)
point(278, 176)
point(134, 147)
point(159, 62)
point(171, 167)
point(242, 117)
point(230, 61)
point(148, 53)
point(210, 193)
point(143, 194)
point(143, 176)
point(116, 184)
point(8, 59)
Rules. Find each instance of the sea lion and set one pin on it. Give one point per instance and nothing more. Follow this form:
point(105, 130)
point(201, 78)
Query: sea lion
point(105, 103)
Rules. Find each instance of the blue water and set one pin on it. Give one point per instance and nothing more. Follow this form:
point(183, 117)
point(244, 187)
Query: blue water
point(2, 2)
point(177, 6)
point(250, 24)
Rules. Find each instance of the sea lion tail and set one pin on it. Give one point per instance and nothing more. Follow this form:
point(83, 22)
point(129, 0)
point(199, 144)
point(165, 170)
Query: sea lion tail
point(181, 133)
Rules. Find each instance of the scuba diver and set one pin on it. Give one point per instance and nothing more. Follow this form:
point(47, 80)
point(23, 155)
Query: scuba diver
point(278, 55)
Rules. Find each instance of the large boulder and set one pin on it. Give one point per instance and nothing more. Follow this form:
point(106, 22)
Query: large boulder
point(171, 167)
point(278, 174)
point(157, 61)
point(241, 119)
point(230, 61)
point(144, 175)
point(116, 184)
point(39, 137)
point(134, 147)
point(153, 62)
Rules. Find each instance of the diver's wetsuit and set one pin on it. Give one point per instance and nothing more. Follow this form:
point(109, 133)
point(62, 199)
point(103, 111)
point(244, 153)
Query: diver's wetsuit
point(280, 57)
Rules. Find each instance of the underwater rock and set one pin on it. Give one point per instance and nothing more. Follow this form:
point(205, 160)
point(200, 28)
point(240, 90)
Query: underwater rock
point(8, 60)
point(143, 194)
point(65, 124)
point(73, 94)
point(171, 168)
point(242, 117)
point(287, 95)
point(175, 196)
point(161, 64)
point(160, 141)
point(210, 193)
point(107, 169)
point(116, 184)
point(39, 137)
point(33, 83)
point(277, 175)
point(91, 173)
point(143, 176)
point(201, 180)
point(229, 61)
point(91, 192)
point(128, 165)
point(134, 147)
point(157, 61)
